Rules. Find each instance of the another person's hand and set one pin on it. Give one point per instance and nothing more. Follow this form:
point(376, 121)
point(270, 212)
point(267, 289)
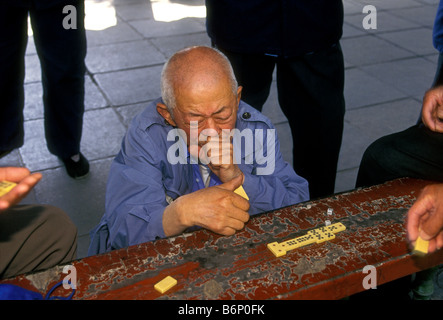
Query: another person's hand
point(25, 182)
point(432, 111)
point(216, 208)
point(425, 217)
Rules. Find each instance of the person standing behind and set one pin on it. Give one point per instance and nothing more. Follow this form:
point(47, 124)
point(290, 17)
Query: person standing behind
point(62, 52)
point(300, 38)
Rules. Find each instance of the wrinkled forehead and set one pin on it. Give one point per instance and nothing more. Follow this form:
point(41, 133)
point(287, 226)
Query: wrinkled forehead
point(204, 87)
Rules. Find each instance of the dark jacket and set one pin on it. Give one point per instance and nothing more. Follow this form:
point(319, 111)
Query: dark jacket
point(37, 4)
point(437, 36)
point(278, 27)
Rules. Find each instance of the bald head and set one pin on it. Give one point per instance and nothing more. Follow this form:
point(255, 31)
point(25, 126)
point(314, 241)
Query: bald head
point(195, 69)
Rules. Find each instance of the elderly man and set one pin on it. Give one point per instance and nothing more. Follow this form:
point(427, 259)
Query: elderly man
point(178, 166)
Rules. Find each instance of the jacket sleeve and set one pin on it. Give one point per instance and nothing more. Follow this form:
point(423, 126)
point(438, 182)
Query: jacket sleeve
point(271, 182)
point(135, 196)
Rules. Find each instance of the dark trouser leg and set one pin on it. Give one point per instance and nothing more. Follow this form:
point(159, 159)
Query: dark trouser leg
point(415, 152)
point(254, 74)
point(62, 53)
point(310, 90)
point(34, 238)
point(13, 40)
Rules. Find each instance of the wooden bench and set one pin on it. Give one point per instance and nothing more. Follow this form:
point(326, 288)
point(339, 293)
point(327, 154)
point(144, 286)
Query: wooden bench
point(209, 266)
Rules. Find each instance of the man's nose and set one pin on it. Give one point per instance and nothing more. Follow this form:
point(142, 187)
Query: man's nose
point(214, 128)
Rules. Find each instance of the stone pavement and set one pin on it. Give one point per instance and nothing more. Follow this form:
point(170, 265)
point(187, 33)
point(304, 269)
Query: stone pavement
point(388, 69)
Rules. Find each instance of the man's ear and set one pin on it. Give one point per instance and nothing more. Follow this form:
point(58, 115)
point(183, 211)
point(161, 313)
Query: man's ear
point(239, 89)
point(163, 110)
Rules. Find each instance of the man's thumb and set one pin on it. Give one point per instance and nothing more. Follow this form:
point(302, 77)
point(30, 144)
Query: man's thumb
point(233, 184)
point(430, 228)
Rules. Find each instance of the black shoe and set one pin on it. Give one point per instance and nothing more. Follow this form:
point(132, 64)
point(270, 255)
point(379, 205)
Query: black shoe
point(77, 169)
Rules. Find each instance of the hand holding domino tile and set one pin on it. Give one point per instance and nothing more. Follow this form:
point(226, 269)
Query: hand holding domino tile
point(222, 209)
point(17, 183)
point(425, 220)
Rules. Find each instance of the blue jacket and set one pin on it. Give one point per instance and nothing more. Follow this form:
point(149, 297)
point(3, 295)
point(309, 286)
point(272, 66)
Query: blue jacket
point(141, 179)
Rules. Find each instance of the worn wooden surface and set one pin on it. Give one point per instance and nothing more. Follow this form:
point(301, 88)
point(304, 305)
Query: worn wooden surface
point(209, 266)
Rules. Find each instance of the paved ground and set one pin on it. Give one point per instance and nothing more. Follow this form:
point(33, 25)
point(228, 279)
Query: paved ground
point(388, 70)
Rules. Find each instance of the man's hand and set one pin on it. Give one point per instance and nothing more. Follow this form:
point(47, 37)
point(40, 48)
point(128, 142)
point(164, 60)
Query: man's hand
point(425, 217)
point(25, 182)
point(432, 112)
point(218, 155)
point(216, 208)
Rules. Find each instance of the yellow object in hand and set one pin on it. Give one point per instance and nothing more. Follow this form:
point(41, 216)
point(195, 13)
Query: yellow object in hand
point(241, 192)
point(6, 186)
point(421, 246)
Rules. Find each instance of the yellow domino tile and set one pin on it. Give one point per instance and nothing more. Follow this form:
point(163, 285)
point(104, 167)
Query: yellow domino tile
point(6, 186)
point(318, 235)
point(241, 192)
point(336, 227)
point(421, 246)
point(319, 230)
point(298, 242)
point(166, 284)
point(275, 248)
point(326, 236)
point(280, 249)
